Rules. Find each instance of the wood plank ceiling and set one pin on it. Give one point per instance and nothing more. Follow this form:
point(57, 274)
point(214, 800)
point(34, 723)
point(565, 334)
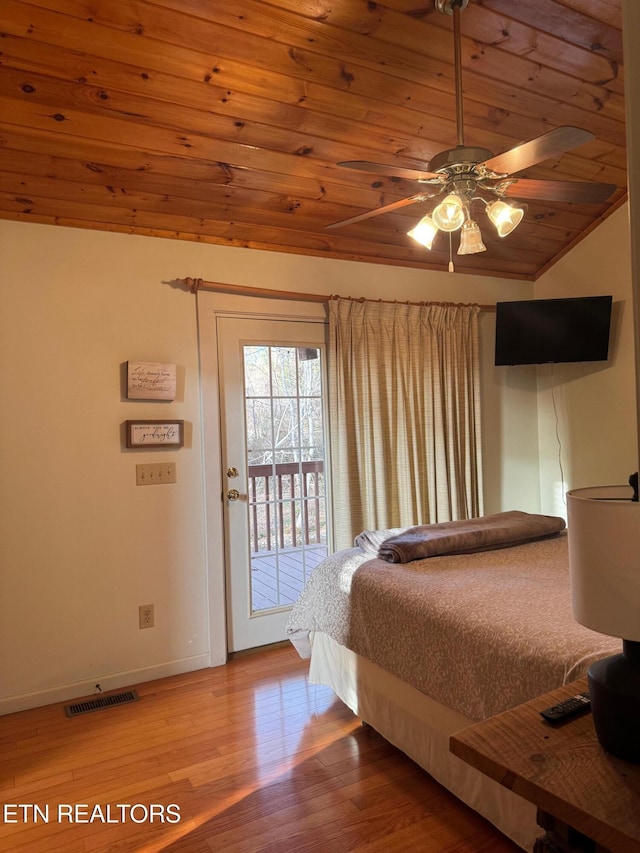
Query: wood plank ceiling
point(222, 120)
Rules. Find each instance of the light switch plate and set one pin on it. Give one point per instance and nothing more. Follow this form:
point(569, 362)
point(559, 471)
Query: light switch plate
point(155, 473)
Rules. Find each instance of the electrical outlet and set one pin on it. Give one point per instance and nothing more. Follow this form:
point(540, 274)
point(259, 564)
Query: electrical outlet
point(146, 616)
point(155, 473)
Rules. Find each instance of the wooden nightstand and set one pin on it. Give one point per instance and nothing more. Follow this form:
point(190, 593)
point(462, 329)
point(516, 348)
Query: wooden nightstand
point(587, 800)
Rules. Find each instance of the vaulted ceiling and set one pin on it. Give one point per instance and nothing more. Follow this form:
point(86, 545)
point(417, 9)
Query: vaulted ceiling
point(222, 121)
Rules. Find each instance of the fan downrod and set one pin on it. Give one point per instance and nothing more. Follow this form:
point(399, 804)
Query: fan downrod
point(447, 6)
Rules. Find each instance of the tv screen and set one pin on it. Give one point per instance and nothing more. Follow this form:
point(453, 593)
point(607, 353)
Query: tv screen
point(542, 331)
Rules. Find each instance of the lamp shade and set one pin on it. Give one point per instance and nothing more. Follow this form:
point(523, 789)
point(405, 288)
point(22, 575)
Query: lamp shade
point(604, 559)
point(604, 564)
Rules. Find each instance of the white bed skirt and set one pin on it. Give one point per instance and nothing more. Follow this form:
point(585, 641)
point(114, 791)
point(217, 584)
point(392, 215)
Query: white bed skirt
point(420, 727)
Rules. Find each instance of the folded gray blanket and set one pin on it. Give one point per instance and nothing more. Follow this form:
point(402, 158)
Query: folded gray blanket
point(473, 534)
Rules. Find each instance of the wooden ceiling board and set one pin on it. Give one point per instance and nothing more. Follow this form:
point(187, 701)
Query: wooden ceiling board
point(223, 122)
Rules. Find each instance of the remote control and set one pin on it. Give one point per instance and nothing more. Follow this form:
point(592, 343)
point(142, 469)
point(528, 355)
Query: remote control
point(568, 709)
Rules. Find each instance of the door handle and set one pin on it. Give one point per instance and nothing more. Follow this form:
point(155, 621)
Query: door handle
point(233, 495)
point(232, 472)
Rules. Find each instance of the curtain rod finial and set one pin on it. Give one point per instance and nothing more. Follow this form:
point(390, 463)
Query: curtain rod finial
point(194, 284)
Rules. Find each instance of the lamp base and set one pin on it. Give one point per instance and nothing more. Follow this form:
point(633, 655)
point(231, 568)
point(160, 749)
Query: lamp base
point(614, 689)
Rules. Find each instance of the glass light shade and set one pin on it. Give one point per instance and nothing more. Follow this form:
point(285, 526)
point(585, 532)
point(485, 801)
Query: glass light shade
point(504, 216)
point(471, 239)
point(449, 214)
point(424, 232)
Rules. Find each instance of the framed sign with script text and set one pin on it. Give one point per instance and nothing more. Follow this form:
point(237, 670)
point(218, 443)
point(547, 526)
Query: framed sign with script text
point(151, 380)
point(154, 433)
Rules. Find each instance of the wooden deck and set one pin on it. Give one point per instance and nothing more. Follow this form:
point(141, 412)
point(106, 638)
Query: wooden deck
point(277, 578)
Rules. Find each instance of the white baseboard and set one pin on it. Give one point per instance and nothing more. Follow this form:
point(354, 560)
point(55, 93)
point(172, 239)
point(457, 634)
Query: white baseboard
point(87, 687)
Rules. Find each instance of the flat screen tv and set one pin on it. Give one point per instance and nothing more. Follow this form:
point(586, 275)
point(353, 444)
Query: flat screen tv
point(543, 331)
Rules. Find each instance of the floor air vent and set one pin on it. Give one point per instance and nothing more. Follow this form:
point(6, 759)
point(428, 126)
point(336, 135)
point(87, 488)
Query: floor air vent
point(101, 702)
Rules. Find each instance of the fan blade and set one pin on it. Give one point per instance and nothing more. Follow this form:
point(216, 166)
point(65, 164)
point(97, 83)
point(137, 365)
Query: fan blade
point(391, 171)
point(572, 191)
point(396, 205)
point(551, 144)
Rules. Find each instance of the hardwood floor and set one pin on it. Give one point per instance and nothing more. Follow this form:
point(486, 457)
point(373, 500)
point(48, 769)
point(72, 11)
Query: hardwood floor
point(239, 759)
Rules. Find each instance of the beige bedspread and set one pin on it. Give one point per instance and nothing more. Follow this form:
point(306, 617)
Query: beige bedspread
point(479, 633)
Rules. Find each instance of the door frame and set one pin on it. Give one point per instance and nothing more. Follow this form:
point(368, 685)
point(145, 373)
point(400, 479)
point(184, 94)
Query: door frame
point(211, 305)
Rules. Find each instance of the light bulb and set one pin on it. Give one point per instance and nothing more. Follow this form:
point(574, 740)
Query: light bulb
point(504, 216)
point(424, 231)
point(449, 214)
point(471, 239)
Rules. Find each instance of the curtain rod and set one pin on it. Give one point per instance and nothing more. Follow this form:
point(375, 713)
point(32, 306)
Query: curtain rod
point(196, 284)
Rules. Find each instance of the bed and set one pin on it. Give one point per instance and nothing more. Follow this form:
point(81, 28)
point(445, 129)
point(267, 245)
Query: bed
point(421, 648)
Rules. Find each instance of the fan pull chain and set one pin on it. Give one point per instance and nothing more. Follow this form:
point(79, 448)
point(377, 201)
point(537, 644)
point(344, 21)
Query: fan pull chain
point(450, 254)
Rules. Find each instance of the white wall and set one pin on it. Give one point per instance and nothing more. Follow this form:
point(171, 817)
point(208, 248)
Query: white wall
point(81, 545)
point(510, 426)
point(631, 26)
point(595, 438)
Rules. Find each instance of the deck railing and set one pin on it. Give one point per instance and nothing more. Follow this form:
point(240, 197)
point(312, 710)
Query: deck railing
point(292, 495)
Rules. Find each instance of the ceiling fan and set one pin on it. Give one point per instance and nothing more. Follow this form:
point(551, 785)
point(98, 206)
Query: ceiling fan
point(467, 173)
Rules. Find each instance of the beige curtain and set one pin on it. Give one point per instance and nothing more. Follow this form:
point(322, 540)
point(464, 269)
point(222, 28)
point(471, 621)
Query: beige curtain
point(405, 415)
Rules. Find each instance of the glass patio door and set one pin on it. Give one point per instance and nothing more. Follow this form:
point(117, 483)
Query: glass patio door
point(273, 416)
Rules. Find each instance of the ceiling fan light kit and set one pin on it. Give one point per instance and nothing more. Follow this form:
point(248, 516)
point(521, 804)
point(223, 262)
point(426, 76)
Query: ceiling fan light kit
point(466, 174)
